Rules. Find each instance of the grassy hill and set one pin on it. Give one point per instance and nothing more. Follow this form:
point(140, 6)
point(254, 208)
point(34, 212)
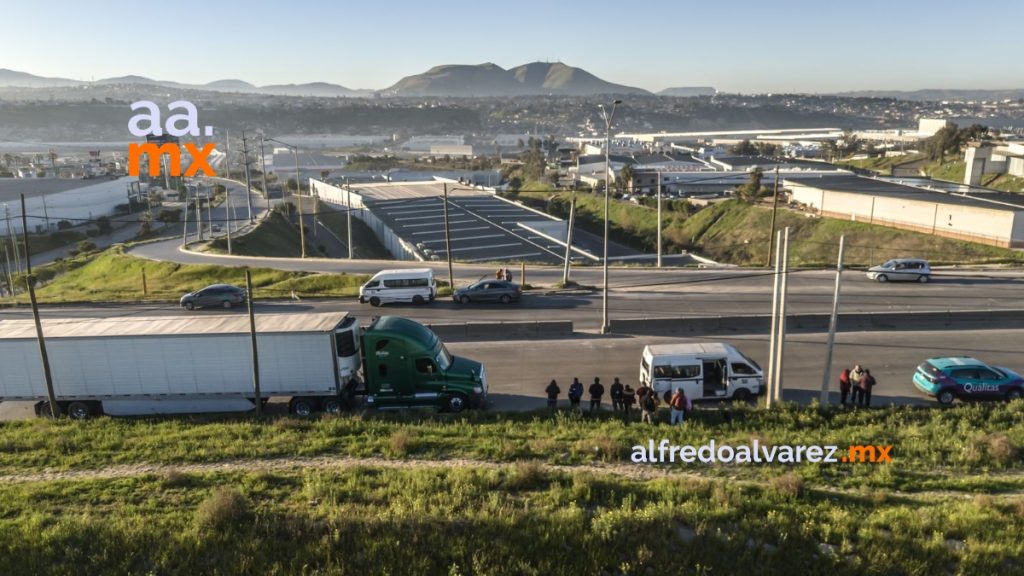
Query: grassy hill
point(274, 237)
point(112, 275)
point(495, 493)
point(737, 233)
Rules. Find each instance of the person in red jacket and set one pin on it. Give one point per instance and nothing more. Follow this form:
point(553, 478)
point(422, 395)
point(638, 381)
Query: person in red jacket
point(866, 384)
point(844, 386)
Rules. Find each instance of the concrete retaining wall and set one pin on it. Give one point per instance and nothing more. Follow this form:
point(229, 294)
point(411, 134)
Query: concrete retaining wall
point(501, 330)
point(819, 322)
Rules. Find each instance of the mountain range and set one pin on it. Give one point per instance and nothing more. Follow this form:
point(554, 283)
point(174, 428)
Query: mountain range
point(535, 78)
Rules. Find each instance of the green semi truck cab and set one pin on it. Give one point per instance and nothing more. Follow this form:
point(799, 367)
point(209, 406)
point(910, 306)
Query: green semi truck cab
point(406, 364)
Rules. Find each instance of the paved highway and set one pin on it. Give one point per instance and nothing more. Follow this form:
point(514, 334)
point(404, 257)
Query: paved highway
point(518, 371)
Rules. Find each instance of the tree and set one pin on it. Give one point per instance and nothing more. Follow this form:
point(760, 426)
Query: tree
point(626, 177)
point(169, 215)
point(744, 148)
point(64, 225)
point(749, 192)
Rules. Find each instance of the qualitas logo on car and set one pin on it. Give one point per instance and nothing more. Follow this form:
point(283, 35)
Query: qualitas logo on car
point(154, 129)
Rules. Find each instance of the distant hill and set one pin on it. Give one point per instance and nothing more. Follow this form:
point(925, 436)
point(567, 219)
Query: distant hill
point(15, 78)
point(321, 89)
point(938, 94)
point(232, 84)
point(685, 91)
point(535, 78)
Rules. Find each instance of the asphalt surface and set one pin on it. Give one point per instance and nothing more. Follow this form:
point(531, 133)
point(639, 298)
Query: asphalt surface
point(518, 371)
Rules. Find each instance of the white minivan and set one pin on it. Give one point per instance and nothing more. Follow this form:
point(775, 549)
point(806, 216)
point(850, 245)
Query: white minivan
point(711, 371)
point(414, 285)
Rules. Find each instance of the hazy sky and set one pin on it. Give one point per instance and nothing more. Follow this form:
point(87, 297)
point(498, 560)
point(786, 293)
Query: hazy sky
point(737, 45)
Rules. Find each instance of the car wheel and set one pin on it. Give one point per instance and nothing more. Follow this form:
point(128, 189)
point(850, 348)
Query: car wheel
point(464, 299)
point(741, 394)
point(505, 298)
point(190, 306)
point(1013, 394)
point(302, 407)
point(331, 406)
point(456, 403)
point(946, 397)
point(882, 278)
point(417, 299)
point(374, 301)
point(226, 304)
point(922, 279)
point(79, 411)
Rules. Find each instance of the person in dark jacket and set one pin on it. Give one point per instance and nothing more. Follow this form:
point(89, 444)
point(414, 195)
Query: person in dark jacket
point(596, 392)
point(844, 386)
point(575, 393)
point(867, 382)
point(628, 399)
point(616, 393)
point(553, 391)
point(648, 404)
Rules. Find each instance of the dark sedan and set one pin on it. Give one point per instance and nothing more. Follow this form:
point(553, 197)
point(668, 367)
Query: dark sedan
point(220, 295)
point(489, 291)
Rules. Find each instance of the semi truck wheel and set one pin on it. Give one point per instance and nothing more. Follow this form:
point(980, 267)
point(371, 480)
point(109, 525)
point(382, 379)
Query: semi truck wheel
point(456, 403)
point(79, 411)
point(302, 407)
point(331, 406)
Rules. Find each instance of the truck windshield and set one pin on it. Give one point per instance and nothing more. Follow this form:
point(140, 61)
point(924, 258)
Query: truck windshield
point(443, 358)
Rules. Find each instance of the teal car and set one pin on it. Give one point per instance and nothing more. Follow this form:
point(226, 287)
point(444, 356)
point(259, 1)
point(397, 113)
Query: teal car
point(967, 378)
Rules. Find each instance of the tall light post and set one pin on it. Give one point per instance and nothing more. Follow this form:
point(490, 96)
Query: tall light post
point(298, 193)
point(608, 117)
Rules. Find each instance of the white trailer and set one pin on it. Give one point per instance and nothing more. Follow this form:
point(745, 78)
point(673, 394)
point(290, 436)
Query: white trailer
point(174, 364)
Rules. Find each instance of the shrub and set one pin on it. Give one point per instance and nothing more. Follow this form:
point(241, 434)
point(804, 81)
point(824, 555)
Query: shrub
point(222, 509)
point(788, 485)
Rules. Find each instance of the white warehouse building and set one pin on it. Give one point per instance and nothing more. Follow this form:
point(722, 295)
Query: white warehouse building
point(994, 218)
point(50, 200)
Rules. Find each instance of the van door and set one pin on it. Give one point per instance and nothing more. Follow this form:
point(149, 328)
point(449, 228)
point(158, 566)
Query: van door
point(716, 378)
point(743, 375)
point(686, 375)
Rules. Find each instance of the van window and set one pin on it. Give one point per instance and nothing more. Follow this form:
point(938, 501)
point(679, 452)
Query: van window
point(689, 371)
point(373, 284)
point(406, 283)
point(662, 371)
point(741, 369)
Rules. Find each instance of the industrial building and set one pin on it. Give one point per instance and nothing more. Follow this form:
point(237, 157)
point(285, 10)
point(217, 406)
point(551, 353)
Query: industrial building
point(987, 217)
point(50, 200)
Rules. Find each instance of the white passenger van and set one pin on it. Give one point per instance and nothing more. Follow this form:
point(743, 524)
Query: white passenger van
point(414, 285)
point(712, 371)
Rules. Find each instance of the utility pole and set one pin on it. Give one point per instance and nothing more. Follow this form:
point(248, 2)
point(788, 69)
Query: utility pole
point(184, 227)
point(770, 376)
point(568, 238)
point(7, 267)
point(348, 216)
point(199, 217)
point(298, 192)
point(659, 219)
point(263, 169)
point(227, 216)
point(608, 173)
point(248, 184)
point(227, 154)
point(784, 295)
point(14, 238)
point(775, 207)
point(255, 349)
point(46, 215)
point(833, 320)
point(209, 209)
point(448, 240)
point(30, 280)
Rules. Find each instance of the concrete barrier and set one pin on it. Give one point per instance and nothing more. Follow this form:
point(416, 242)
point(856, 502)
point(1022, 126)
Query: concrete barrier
point(502, 330)
point(938, 320)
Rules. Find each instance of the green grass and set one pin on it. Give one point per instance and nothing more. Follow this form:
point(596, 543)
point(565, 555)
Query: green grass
point(535, 495)
point(274, 237)
point(366, 246)
point(881, 164)
point(1004, 182)
point(114, 276)
point(737, 233)
point(949, 171)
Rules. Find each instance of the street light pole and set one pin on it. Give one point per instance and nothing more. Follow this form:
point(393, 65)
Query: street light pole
point(608, 117)
point(298, 192)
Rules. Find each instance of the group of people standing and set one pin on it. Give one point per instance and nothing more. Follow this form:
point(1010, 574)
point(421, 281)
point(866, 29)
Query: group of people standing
point(503, 274)
point(623, 397)
point(856, 385)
